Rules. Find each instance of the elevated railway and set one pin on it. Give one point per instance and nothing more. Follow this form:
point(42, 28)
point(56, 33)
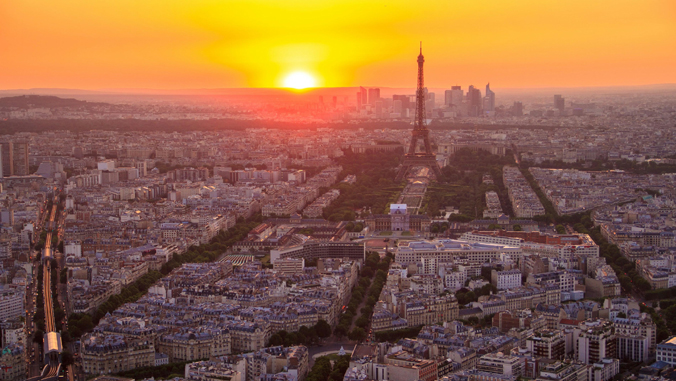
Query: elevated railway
point(52, 346)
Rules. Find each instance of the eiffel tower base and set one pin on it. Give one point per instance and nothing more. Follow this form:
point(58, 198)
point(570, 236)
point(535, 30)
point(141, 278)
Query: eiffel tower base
point(411, 161)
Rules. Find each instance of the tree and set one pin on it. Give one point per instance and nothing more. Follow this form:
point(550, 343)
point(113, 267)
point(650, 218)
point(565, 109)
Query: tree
point(66, 358)
point(320, 370)
point(39, 337)
point(459, 218)
point(642, 284)
point(65, 337)
point(466, 297)
point(357, 334)
point(381, 275)
point(275, 340)
point(323, 329)
point(363, 321)
point(340, 331)
point(59, 315)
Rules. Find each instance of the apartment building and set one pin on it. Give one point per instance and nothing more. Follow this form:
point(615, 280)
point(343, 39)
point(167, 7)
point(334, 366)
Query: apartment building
point(525, 202)
point(193, 345)
point(403, 366)
point(549, 344)
point(105, 354)
point(429, 309)
point(13, 363)
point(506, 280)
point(11, 305)
point(596, 341)
point(605, 369)
point(289, 266)
point(500, 363)
point(666, 351)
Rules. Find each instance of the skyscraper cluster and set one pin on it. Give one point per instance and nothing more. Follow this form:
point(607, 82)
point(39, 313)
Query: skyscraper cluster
point(472, 103)
point(457, 103)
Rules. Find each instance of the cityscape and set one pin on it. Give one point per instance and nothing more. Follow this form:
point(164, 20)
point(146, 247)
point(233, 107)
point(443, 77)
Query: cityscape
point(196, 215)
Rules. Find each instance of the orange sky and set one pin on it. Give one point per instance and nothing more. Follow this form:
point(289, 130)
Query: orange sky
point(175, 44)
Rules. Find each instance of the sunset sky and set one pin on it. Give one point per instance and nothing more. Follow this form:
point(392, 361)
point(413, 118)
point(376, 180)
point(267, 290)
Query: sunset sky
point(187, 44)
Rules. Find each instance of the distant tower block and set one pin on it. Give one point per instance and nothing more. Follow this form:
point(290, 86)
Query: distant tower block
point(420, 131)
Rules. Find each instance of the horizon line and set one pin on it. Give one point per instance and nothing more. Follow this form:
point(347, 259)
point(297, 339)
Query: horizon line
point(149, 90)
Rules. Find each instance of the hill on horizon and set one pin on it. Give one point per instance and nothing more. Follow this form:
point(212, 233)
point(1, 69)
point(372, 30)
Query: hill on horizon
point(47, 101)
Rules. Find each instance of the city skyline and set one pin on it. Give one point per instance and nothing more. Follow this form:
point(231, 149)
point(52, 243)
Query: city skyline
point(264, 190)
point(206, 44)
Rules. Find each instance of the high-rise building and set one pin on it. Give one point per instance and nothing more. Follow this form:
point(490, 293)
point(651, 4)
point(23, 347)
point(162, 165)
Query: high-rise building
point(517, 109)
point(474, 101)
point(595, 342)
point(546, 343)
point(404, 99)
point(396, 105)
point(456, 96)
point(489, 99)
point(559, 102)
point(361, 98)
point(20, 158)
point(453, 97)
point(430, 97)
point(11, 305)
point(7, 159)
point(374, 96)
point(379, 109)
point(430, 101)
point(142, 167)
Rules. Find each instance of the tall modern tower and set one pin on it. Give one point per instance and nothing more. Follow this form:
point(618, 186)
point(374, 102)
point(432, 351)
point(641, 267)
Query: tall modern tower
point(420, 132)
point(361, 98)
point(474, 101)
point(374, 96)
point(7, 159)
point(20, 153)
point(559, 102)
point(489, 99)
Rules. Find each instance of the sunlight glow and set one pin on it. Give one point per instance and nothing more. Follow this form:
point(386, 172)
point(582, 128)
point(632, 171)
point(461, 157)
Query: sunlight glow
point(175, 44)
point(299, 80)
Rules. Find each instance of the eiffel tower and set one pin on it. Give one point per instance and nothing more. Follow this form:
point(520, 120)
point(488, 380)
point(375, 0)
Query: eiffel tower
point(419, 159)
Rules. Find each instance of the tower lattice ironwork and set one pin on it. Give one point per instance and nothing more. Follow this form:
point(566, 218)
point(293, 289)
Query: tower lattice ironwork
point(420, 132)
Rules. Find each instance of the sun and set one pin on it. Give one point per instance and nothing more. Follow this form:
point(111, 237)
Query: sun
point(299, 80)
